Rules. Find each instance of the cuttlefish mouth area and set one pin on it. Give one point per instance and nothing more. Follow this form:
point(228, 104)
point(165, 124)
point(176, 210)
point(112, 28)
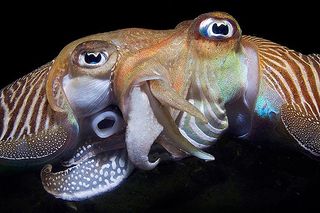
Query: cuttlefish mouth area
point(112, 150)
point(98, 166)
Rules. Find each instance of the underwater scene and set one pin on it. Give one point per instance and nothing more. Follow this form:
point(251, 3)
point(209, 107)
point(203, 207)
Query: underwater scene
point(160, 107)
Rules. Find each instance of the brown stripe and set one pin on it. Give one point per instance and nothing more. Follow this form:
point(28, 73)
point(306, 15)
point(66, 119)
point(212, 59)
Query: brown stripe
point(276, 59)
point(316, 57)
point(316, 63)
point(315, 90)
point(309, 62)
point(15, 110)
point(280, 86)
point(301, 81)
point(32, 83)
point(276, 86)
point(287, 79)
point(299, 66)
point(33, 119)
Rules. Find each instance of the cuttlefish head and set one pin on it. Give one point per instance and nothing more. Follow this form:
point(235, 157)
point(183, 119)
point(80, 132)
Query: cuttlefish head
point(152, 84)
point(147, 75)
point(226, 69)
point(82, 74)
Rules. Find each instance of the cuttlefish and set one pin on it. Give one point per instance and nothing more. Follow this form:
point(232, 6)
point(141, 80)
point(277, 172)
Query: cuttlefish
point(102, 105)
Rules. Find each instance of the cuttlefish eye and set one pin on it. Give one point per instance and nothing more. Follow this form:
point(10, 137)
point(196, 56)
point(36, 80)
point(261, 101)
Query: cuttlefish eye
point(92, 59)
point(216, 28)
point(95, 58)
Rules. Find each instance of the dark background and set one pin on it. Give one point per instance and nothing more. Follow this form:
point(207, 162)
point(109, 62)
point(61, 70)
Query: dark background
point(33, 34)
point(244, 176)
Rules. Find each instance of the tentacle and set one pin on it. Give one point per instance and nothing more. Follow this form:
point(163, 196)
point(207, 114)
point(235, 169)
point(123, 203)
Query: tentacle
point(92, 177)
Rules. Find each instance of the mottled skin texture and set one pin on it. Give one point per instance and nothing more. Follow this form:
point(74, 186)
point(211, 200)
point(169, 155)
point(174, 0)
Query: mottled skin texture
point(180, 88)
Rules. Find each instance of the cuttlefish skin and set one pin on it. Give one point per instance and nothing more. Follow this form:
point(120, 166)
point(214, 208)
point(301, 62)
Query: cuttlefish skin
point(181, 88)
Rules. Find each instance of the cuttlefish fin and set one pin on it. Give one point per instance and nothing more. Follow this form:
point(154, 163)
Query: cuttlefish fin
point(171, 131)
point(168, 96)
point(304, 127)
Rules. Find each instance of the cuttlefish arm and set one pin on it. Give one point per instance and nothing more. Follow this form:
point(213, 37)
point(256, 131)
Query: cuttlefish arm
point(147, 74)
point(141, 133)
point(100, 167)
point(78, 182)
point(146, 97)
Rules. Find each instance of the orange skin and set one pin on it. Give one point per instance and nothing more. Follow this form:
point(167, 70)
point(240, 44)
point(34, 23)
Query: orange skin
point(141, 47)
point(164, 61)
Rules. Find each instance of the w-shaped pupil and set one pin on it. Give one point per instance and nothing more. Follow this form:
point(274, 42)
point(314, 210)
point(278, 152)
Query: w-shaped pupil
point(222, 29)
point(92, 58)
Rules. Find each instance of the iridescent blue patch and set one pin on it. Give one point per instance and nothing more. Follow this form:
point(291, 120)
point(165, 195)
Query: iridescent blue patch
point(264, 108)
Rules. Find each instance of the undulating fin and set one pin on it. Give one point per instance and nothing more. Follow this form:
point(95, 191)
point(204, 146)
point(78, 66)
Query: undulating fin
point(304, 127)
point(30, 131)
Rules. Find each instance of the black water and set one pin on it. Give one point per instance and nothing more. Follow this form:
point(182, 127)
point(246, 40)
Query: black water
point(244, 176)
